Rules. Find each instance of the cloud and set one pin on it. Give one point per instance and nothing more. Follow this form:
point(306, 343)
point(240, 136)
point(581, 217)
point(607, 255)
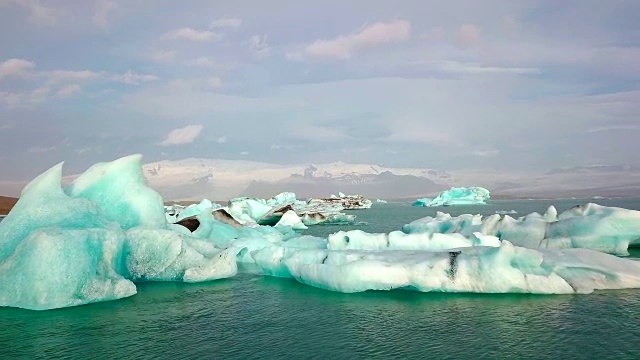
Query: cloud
point(181, 136)
point(69, 90)
point(259, 46)
point(58, 76)
point(485, 153)
point(101, 14)
point(345, 46)
point(11, 100)
point(164, 56)
point(221, 139)
point(200, 62)
point(41, 150)
point(214, 83)
point(614, 128)
point(468, 36)
point(133, 78)
point(15, 67)
point(475, 68)
point(40, 14)
point(244, 153)
point(192, 35)
point(226, 22)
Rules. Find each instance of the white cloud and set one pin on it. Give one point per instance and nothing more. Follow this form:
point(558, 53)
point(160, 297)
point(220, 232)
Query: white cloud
point(101, 15)
point(214, 83)
point(58, 76)
point(474, 68)
point(416, 131)
point(69, 90)
point(345, 46)
point(244, 153)
point(200, 62)
point(133, 78)
point(259, 46)
point(40, 14)
point(14, 67)
point(183, 135)
point(11, 99)
point(40, 150)
point(192, 35)
point(614, 128)
point(164, 56)
point(485, 153)
point(468, 36)
point(227, 22)
point(221, 139)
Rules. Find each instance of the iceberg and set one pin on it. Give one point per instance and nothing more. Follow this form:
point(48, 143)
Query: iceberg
point(349, 202)
point(590, 226)
point(290, 218)
point(380, 201)
point(397, 240)
point(107, 231)
point(503, 269)
point(91, 241)
point(456, 196)
point(251, 211)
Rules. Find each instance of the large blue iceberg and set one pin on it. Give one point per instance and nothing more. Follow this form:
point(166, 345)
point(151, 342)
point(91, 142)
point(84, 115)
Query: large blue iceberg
point(457, 196)
point(95, 239)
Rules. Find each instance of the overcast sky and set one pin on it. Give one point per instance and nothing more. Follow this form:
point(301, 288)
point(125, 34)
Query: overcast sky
point(503, 85)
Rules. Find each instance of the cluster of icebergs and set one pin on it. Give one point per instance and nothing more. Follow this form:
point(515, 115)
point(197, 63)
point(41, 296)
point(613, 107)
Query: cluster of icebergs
point(457, 196)
point(283, 209)
point(96, 238)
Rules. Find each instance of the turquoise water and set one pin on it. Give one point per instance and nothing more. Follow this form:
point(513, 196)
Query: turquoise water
point(260, 317)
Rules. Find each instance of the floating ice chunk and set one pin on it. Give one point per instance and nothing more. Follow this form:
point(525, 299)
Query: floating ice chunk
point(504, 269)
point(380, 201)
point(240, 208)
point(196, 209)
point(282, 198)
point(457, 196)
point(53, 268)
point(551, 214)
point(444, 223)
point(290, 218)
point(119, 189)
point(306, 242)
point(397, 240)
point(164, 255)
point(591, 226)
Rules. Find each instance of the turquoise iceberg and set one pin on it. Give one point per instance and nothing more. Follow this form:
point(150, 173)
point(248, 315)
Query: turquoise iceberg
point(457, 196)
point(92, 240)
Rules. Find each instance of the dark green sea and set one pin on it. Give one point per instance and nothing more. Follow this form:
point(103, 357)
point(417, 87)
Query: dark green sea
point(254, 317)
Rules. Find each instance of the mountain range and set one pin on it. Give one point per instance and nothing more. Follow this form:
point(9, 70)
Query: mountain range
point(216, 179)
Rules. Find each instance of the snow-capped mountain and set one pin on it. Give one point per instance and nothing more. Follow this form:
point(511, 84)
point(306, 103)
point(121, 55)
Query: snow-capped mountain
point(223, 179)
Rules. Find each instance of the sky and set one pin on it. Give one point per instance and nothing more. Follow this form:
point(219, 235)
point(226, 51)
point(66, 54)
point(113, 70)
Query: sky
point(498, 84)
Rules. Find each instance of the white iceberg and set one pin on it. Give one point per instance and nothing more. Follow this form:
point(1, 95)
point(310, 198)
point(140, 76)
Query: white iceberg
point(503, 269)
point(590, 226)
